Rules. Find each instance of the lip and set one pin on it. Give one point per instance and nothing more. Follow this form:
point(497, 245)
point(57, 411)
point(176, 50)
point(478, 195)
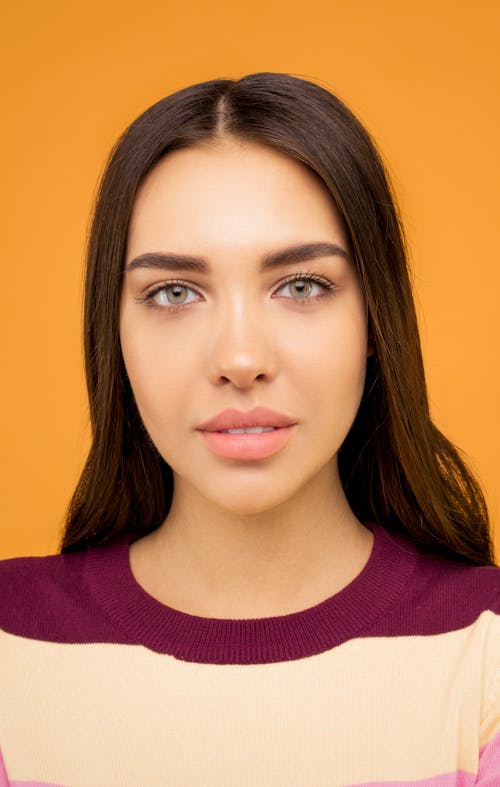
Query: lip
point(235, 419)
point(248, 447)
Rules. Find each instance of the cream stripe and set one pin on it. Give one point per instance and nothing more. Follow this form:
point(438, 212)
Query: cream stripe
point(371, 710)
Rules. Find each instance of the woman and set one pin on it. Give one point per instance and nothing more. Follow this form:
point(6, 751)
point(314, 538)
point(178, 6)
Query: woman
point(275, 569)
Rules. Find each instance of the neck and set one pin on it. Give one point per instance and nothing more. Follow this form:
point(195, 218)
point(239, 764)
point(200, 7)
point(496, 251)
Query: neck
point(214, 563)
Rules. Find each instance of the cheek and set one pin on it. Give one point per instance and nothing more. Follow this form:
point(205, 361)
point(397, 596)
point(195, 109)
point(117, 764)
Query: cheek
point(160, 372)
point(331, 359)
point(335, 396)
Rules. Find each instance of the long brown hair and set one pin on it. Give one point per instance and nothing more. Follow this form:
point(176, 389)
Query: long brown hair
point(395, 465)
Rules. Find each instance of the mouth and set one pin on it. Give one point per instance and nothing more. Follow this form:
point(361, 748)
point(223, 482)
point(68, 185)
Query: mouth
point(248, 444)
point(249, 430)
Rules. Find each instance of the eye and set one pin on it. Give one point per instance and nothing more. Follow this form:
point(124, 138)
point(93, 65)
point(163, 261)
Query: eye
point(170, 295)
point(303, 285)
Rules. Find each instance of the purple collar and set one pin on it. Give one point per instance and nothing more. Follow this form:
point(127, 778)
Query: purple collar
point(345, 615)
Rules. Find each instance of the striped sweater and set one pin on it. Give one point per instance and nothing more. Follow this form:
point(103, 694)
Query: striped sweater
point(395, 680)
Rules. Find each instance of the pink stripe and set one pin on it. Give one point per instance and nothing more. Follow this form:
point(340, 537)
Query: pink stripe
point(34, 784)
point(489, 763)
point(455, 779)
point(4, 781)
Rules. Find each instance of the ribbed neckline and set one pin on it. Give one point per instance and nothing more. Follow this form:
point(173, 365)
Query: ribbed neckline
point(347, 614)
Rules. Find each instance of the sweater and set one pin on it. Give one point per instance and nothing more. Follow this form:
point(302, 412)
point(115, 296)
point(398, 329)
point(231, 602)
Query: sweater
point(394, 680)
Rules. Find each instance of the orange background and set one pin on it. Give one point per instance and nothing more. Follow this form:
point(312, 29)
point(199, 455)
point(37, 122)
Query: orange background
point(423, 77)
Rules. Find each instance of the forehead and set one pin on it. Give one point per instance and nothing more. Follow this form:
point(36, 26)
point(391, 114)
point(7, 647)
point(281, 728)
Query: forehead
point(231, 193)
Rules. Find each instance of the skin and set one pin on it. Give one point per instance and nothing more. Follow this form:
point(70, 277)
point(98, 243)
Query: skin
point(268, 537)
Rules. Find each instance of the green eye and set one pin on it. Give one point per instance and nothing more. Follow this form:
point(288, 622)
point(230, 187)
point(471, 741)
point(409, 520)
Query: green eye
point(303, 284)
point(172, 295)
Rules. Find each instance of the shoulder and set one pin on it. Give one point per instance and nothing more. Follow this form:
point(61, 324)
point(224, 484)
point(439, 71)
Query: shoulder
point(441, 594)
point(46, 597)
point(474, 589)
point(35, 574)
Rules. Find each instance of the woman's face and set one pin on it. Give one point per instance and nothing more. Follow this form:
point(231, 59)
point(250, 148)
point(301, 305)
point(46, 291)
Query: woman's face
point(230, 331)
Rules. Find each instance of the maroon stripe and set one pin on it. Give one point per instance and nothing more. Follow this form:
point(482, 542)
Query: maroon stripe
point(93, 597)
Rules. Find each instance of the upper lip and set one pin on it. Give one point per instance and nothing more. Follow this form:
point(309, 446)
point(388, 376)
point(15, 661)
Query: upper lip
point(235, 419)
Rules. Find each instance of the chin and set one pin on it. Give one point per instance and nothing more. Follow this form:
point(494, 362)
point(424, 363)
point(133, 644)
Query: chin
point(246, 504)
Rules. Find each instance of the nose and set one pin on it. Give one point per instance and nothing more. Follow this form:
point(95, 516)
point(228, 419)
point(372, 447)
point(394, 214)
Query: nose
point(242, 351)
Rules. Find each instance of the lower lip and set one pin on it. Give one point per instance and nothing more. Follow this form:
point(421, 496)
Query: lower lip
point(248, 447)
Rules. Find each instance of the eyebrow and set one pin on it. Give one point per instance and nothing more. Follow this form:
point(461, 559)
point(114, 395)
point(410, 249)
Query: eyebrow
point(288, 256)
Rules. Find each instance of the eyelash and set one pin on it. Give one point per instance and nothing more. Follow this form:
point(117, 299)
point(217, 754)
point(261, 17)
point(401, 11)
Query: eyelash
point(148, 297)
